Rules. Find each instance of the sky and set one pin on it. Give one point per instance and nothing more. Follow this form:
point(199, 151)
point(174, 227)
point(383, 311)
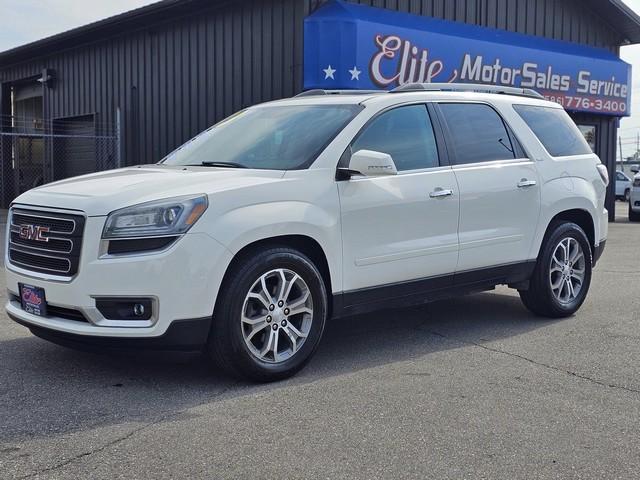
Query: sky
point(23, 21)
point(630, 126)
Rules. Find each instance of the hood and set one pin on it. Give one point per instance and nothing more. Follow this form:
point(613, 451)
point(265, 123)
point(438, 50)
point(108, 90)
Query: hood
point(99, 194)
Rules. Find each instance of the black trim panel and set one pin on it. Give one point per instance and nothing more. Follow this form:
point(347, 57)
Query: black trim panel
point(416, 292)
point(598, 251)
point(183, 335)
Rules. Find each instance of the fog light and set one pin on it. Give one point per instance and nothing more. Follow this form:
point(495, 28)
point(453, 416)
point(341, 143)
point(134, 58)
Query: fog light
point(138, 310)
point(125, 308)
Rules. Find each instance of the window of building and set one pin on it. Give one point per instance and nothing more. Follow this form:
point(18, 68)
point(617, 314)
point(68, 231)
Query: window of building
point(555, 129)
point(589, 134)
point(477, 132)
point(405, 133)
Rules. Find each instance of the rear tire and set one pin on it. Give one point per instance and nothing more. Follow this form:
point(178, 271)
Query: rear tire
point(269, 317)
point(627, 195)
point(562, 275)
point(633, 216)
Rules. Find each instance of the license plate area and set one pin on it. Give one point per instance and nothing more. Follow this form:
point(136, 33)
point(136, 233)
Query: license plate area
point(33, 299)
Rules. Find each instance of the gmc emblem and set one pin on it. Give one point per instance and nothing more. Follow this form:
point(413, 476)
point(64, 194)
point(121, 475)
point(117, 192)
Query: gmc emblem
point(34, 232)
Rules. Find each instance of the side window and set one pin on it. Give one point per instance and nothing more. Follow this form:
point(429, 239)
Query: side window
point(621, 177)
point(555, 129)
point(405, 133)
point(477, 132)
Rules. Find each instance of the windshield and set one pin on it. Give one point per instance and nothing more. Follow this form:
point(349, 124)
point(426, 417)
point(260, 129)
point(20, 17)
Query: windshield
point(272, 137)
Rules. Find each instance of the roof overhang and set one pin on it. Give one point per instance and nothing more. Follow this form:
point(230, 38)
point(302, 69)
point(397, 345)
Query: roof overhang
point(143, 17)
point(624, 20)
point(621, 18)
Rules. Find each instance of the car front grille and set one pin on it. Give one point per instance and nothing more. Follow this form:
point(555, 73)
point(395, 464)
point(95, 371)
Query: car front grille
point(45, 242)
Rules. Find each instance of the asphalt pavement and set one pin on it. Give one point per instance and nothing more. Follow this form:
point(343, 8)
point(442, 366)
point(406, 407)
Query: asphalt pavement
point(474, 387)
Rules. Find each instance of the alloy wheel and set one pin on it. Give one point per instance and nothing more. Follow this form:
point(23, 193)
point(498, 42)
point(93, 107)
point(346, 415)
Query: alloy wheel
point(567, 270)
point(277, 314)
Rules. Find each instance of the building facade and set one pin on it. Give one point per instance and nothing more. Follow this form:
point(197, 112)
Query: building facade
point(129, 89)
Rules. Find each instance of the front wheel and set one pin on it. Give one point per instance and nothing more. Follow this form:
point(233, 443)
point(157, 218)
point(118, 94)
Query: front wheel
point(562, 275)
point(270, 315)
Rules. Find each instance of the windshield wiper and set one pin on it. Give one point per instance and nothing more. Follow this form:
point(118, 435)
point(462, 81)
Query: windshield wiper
point(220, 164)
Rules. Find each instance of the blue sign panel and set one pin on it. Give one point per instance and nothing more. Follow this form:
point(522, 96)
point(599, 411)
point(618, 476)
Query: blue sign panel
point(349, 46)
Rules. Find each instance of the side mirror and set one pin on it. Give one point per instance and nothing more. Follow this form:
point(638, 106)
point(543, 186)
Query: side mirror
point(371, 164)
point(635, 169)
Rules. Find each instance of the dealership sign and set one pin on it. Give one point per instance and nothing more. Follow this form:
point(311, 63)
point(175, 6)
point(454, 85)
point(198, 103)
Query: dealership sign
point(350, 46)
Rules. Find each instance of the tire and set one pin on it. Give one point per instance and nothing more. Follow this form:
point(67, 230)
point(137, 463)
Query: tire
point(233, 344)
point(633, 216)
point(542, 298)
point(627, 195)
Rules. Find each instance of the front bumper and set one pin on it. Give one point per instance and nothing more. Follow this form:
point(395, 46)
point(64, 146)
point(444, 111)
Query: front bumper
point(183, 281)
point(182, 335)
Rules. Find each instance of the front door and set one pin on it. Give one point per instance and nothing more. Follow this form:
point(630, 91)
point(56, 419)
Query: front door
point(403, 227)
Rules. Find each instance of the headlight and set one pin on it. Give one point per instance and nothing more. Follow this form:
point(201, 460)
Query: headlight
point(172, 216)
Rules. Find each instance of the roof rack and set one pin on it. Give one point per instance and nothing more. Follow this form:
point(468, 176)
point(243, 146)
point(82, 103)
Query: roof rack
point(318, 92)
point(467, 87)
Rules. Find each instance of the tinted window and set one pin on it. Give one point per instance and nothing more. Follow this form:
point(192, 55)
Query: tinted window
point(406, 134)
point(478, 133)
point(555, 129)
point(271, 137)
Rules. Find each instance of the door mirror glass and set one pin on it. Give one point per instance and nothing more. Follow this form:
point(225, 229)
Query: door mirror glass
point(372, 164)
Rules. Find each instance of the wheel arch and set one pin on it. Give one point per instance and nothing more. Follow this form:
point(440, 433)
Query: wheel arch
point(305, 244)
point(580, 217)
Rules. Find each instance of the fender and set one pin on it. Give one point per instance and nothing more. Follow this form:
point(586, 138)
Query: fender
point(563, 194)
point(247, 224)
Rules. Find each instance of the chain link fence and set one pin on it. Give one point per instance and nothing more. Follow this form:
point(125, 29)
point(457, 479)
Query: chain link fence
point(33, 152)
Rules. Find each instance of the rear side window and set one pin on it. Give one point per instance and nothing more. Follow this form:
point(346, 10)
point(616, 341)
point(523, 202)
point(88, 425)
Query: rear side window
point(406, 134)
point(555, 129)
point(477, 132)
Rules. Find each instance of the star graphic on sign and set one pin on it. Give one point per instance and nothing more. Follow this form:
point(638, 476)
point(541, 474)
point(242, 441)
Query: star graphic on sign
point(328, 73)
point(355, 73)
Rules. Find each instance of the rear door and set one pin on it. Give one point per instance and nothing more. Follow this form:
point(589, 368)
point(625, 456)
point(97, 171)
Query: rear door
point(499, 187)
point(400, 232)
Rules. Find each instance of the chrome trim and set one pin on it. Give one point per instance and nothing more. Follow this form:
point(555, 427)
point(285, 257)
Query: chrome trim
point(104, 247)
point(50, 218)
point(11, 242)
point(29, 269)
point(40, 255)
point(47, 277)
point(93, 315)
point(99, 320)
point(441, 193)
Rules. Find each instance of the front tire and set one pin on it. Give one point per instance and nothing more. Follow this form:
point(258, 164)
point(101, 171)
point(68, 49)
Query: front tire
point(270, 315)
point(562, 275)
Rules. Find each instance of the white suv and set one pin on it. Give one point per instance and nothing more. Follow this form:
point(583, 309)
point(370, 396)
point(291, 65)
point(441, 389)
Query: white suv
point(244, 241)
point(634, 199)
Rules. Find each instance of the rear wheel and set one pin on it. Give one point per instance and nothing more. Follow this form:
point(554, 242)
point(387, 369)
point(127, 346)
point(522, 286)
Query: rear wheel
point(270, 316)
point(633, 216)
point(627, 195)
point(562, 275)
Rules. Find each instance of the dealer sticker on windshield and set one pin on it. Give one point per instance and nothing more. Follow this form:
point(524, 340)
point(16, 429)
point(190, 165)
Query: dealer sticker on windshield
point(33, 300)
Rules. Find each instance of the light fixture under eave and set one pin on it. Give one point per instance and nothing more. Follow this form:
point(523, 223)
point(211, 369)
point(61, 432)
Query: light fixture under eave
point(47, 78)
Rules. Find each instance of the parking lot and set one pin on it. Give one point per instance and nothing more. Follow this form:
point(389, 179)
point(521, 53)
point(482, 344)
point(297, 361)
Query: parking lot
point(467, 388)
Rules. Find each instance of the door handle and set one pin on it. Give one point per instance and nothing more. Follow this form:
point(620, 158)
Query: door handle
point(440, 192)
point(524, 183)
